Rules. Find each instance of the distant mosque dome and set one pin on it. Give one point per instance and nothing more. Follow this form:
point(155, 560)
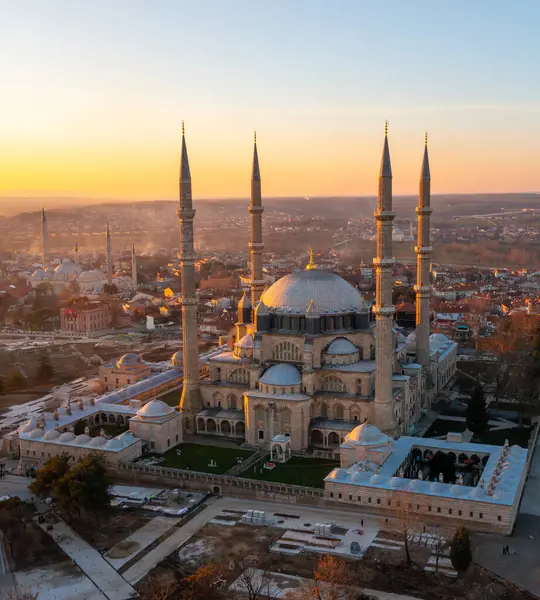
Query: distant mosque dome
point(128, 360)
point(331, 294)
point(67, 270)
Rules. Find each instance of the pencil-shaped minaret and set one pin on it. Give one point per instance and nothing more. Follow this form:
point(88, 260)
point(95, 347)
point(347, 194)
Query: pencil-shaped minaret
point(133, 265)
point(44, 240)
point(190, 402)
point(109, 256)
point(76, 253)
point(256, 244)
point(384, 309)
point(423, 258)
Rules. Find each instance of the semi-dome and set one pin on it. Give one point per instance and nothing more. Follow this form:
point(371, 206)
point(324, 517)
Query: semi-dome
point(245, 342)
point(282, 374)
point(51, 435)
point(67, 436)
point(128, 360)
point(155, 408)
point(367, 435)
point(341, 346)
point(330, 293)
point(97, 442)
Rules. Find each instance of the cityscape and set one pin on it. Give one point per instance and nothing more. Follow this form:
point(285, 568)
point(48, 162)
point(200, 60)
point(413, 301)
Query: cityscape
point(269, 365)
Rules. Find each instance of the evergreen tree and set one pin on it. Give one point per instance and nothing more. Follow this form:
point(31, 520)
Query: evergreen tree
point(476, 413)
point(460, 550)
point(46, 477)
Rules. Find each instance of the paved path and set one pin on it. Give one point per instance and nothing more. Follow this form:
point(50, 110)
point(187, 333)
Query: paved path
point(530, 504)
point(140, 539)
point(90, 561)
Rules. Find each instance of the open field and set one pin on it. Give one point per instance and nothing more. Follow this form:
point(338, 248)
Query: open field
point(197, 457)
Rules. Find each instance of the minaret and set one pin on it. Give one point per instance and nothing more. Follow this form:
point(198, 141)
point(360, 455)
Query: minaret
point(423, 257)
point(109, 256)
point(256, 244)
point(44, 240)
point(190, 402)
point(384, 309)
point(76, 253)
point(133, 265)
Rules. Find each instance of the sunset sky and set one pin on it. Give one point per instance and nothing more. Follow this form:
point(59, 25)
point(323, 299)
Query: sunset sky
point(93, 93)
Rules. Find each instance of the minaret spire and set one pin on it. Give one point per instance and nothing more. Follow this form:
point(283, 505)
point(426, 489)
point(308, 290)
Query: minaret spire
point(44, 240)
point(76, 253)
point(190, 401)
point(109, 256)
point(423, 257)
point(256, 243)
point(384, 309)
point(133, 265)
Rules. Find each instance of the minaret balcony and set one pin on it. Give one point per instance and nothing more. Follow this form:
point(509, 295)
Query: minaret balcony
point(422, 289)
point(423, 249)
point(384, 311)
point(384, 263)
point(384, 215)
point(256, 245)
point(424, 210)
point(255, 209)
point(185, 213)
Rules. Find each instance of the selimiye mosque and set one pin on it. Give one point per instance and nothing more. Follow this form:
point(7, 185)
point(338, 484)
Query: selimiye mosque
point(307, 361)
point(61, 275)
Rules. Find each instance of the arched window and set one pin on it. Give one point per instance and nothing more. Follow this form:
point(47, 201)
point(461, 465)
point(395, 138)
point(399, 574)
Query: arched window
point(286, 351)
point(359, 387)
point(286, 412)
point(324, 410)
point(239, 376)
point(217, 398)
point(233, 400)
point(259, 413)
point(338, 411)
point(334, 384)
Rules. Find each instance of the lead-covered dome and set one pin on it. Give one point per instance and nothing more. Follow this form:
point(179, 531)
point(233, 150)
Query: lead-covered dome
point(367, 435)
point(128, 360)
point(155, 408)
point(330, 293)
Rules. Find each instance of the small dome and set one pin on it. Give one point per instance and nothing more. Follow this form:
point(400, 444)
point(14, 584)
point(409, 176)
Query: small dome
point(396, 482)
point(97, 442)
point(477, 492)
point(67, 436)
point(261, 309)
point(39, 273)
point(367, 435)
point(176, 358)
point(360, 476)
point(377, 479)
point(341, 346)
point(29, 425)
point(36, 434)
point(114, 444)
point(338, 473)
point(155, 408)
point(128, 360)
point(282, 374)
point(66, 267)
point(51, 435)
point(415, 484)
point(126, 437)
point(82, 439)
point(458, 490)
point(245, 342)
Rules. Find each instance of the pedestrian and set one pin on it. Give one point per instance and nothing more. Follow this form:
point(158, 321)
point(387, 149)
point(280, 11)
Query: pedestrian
point(386, 520)
point(507, 549)
point(362, 522)
point(504, 550)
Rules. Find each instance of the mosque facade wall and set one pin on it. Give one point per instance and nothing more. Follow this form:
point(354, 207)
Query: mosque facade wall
point(162, 435)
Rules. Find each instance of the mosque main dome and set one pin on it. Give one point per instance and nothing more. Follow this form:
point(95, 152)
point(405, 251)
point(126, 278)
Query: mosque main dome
point(330, 293)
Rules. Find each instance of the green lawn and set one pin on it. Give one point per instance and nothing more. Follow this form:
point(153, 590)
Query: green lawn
point(496, 437)
point(171, 398)
point(197, 457)
point(309, 472)
point(442, 427)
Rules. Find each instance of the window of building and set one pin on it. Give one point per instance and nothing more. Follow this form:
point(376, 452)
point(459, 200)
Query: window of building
point(168, 443)
point(471, 514)
point(369, 500)
point(207, 403)
point(389, 502)
point(481, 515)
point(177, 437)
point(350, 496)
point(105, 379)
point(418, 507)
point(239, 376)
point(449, 511)
point(334, 384)
point(359, 498)
point(260, 434)
point(43, 454)
point(499, 518)
point(459, 512)
point(117, 380)
point(338, 411)
point(378, 500)
point(429, 508)
point(331, 494)
point(286, 351)
point(340, 496)
point(359, 387)
point(129, 380)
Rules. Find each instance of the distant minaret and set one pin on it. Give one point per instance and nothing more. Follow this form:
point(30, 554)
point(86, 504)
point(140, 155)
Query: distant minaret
point(109, 256)
point(423, 257)
point(44, 240)
point(384, 309)
point(190, 402)
point(76, 253)
point(256, 245)
point(133, 265)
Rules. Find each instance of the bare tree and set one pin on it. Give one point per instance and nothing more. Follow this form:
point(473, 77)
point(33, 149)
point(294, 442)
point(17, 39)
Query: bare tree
point(406, 519)
point(438, 545)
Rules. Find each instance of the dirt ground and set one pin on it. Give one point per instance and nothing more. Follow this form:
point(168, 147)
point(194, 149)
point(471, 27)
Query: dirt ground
point(112, 529)
point(236, 546)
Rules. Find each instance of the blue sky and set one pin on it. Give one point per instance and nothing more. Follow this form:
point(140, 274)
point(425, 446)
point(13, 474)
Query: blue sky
point(109, 81)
